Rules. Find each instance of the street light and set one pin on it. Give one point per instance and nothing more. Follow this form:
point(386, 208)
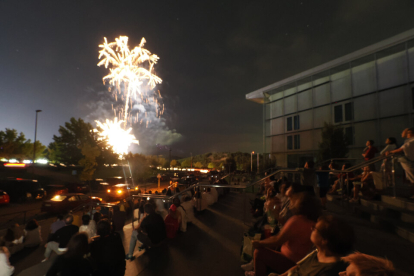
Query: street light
point(34, 144)
point(251, 161)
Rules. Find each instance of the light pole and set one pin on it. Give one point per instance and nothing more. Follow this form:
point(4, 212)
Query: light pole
point(251, 161)
point(34, 144)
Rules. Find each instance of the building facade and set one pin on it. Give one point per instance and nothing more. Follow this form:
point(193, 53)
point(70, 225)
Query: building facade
point(369, 93)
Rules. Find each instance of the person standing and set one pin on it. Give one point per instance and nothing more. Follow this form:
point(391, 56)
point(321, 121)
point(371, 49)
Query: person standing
point(369, 153)
point(407, 160)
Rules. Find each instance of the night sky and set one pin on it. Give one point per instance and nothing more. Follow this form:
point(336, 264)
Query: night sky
point(212, 53)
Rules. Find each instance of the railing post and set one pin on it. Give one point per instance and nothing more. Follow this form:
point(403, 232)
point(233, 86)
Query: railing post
point(393, 177)
point(347, 184)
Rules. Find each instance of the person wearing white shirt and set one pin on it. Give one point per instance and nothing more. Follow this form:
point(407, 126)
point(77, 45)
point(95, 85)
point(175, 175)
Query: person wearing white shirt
point(188, 206)
point(407, 161)
point(214, 193)
point(5, 268)
point(209, 197)
point(87, 227)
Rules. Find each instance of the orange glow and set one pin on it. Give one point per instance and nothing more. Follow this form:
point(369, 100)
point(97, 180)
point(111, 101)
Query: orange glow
point(109, 190)
point(15, 165)
point(119, 191)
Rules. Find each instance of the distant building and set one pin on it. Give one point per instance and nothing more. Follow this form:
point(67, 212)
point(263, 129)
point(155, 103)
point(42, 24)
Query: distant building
point(369, 93)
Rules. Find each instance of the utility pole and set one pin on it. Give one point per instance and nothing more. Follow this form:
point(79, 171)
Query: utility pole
point(251, 161)
point(169, 166)
point(34, 144)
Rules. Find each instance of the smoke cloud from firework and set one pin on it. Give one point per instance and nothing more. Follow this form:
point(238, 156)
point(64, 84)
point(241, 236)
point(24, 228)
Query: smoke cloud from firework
point(97, 104)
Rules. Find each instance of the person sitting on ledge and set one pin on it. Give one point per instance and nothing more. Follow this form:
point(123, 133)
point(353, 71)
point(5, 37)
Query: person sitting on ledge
point(293, 239)
point(333, 239)
point(366, 265)
point(61, 238)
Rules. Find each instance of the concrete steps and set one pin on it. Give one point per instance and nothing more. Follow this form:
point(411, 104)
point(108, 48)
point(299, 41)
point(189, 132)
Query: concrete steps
point(391, 214)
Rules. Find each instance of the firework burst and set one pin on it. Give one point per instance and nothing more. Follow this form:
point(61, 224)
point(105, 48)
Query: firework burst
point(130, 68)
point(117, 137)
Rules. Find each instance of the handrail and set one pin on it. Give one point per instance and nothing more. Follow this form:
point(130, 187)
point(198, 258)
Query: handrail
point(298, 170)
point(339, 159)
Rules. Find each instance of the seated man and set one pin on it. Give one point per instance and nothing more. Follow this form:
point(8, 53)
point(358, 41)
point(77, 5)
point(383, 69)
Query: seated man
point(366, 265)
point(150, 231)
point(333, 239)
point(407, 160)
point(60, 238)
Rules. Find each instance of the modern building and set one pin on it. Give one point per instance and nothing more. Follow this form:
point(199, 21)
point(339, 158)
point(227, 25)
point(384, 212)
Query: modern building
point(369, 93)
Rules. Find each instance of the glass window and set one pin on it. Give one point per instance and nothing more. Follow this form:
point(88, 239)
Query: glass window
point(73, 198)
point(338, 113)
point(349, 112)
point(58, 198)
point(289, 124)
point(297, 141)
point(349, 135)
point(289, 142)
point(296, 122)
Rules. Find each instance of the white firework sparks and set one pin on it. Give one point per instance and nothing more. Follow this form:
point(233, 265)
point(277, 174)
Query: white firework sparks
point(132, 68)
point(116, 136)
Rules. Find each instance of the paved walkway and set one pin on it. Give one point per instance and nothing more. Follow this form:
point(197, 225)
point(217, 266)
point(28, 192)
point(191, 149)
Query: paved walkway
point(211, 246)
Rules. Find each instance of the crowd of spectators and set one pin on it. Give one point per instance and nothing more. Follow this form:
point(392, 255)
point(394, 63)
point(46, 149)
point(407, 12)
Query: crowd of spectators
point(158, 222)
point(298, 238)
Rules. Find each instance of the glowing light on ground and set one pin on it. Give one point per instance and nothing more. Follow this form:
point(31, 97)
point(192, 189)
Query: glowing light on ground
point(130, 70)
point(118, 138)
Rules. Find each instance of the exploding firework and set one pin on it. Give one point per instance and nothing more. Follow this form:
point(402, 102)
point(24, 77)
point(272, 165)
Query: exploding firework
point(130, 69)
point(117, 137)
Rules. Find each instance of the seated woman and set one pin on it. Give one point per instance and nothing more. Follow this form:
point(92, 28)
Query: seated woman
point(32, 235)
point(13, 239)
point(293, 239)
point(333, 239)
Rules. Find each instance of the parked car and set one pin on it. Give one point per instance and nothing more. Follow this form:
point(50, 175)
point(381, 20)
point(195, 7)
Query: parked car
point(120, 191)
point(56, 189)
point(4, 198)
point(66, 202)
point(22, 189)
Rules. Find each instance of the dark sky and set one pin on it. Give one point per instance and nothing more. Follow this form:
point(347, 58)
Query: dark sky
point(212, 53)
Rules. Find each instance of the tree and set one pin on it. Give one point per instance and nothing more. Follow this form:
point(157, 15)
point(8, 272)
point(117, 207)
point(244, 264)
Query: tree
point(139, 166)
point(174, 163)
point(14, 145)
point(230, 164)
point(88, 162)
point(73, 136)
point(186, 163)
point(334, 143)
point(198, 165)
point(211, 165)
